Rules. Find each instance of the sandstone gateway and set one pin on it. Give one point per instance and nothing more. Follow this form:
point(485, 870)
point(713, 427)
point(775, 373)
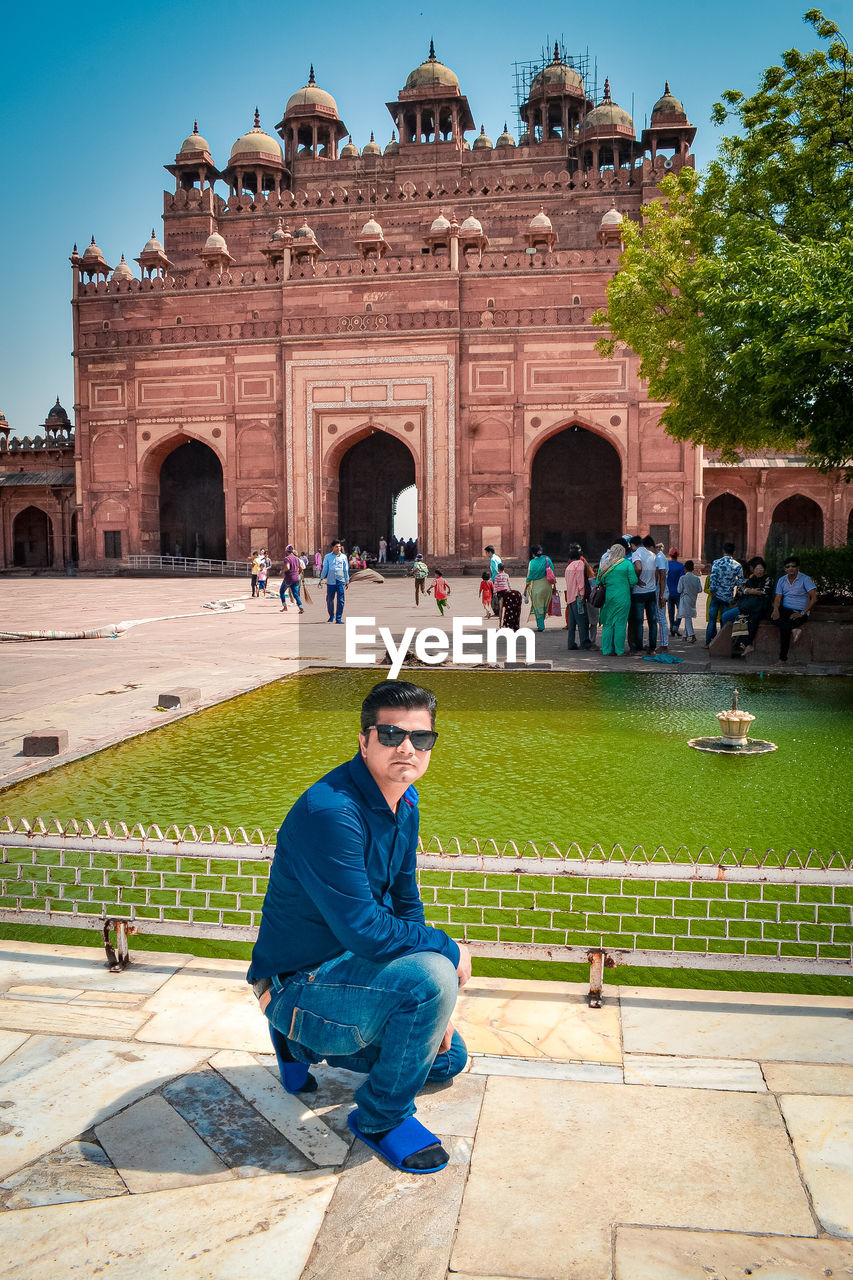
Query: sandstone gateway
point(344, 324)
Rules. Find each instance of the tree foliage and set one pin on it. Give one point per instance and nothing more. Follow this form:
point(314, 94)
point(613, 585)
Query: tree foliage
point(736, 289)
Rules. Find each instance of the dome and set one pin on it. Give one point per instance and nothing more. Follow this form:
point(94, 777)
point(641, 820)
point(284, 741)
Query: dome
point(304, 232)
point(440, 225)
point(278, 234)
point(612, 217)
point(215, 243)
point(482, 143)
point(256, 142)
point(557, 75)
point(310, 95)
point(153, 245)
point(123, 271)
point(431, 73)
point(349, 148)
point(506, 139)
point(57, 413)
point(541, 222)
point(524, 140)
point(607, 117)
point(92, 251)
point(372, 228)
point(668, 105)
point(393, 146)
point(371, 148)
point(195, 142)
point(471, 226)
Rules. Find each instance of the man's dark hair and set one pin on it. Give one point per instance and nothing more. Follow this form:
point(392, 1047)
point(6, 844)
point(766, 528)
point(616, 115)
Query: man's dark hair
point(399, 694)
point(489, 547)
point(649, 542)
point(791, 560)
point(729, 548)
point(750, 564)
point(635, 540)
point(336, 542)
point(575, 551)
point(688, 564)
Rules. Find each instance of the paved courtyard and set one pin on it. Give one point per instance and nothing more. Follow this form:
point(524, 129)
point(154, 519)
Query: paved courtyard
point(670, 1135)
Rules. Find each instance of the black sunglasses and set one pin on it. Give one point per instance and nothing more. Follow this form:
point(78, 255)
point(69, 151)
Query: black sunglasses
point(391, 735)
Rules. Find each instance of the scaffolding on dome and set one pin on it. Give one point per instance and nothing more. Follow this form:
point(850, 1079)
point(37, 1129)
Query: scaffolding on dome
point(524, 73)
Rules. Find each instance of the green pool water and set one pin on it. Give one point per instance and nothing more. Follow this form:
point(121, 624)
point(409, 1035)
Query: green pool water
point(583, 758)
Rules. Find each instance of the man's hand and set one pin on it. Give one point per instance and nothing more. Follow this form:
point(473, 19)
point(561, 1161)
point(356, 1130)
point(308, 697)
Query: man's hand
point(446, 1038)
point(775, 614)
point(463, 968)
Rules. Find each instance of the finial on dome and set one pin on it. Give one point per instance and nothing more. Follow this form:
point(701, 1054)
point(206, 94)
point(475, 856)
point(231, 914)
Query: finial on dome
point(195, 126)
point(74, 249)
point(311, 79)
point(432, 57)
point(393, 135)
point(152, 237)
point(92, 240)
point(482, 131)
point(557, 51)
point(122, 258)
point(666, 88)
point(606, 88)
point(372, 139)
point(257, 118)
point(505, 128)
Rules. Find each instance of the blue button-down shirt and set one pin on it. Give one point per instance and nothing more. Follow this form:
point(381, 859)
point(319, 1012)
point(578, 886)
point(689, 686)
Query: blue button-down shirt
point(726, 577)
point(343, 879)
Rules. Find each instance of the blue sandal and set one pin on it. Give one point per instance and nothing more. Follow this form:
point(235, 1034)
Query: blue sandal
point(295, 1076)
point(406, 1140)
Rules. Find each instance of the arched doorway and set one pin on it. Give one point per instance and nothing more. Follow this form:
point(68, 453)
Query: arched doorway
point(192, 503)
point(575, 493)
point(32, 539)
point(372, 475)
point(797, 522)
point(725, 521)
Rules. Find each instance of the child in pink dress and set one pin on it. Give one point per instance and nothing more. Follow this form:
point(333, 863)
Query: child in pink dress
point(440, 587)
point(485, 593)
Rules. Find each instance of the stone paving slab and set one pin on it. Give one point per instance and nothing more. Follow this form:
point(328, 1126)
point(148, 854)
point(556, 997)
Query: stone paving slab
point(10, 1041)
point(83, 969)
point(812, 1077)
point(694, 1073)
point(821, 1130)
point(544, 1069)
point(382, 1222)
point(258, 1227)
point(554, 1165)
point(208, 1003)
point(153, 1148)
point(76, 1171)
point(61, 1019)
point(540, 1020)
point(95, 1080)
point(644, 1254)
point(755, 1025)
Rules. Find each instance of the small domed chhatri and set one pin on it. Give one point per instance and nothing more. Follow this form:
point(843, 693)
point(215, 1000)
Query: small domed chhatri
point(215, 255)
point(432, 72)
point(607, 119)
point(194, 143)
point(310, 96)
point(483, 142)
point(393, 146)
point(440, 225)
point(505, 139)
point(668, 105)
point(255, 143)
point(371, 148)
point(557, 75)
point(372, 242)
point(610, 227)
point(122, 271)
point(540, 233)
point(349, 149)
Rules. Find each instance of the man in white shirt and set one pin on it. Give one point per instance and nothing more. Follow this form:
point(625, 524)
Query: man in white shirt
point(795, 597)
point(644, 597)
point(335, 574)
point(383, 551)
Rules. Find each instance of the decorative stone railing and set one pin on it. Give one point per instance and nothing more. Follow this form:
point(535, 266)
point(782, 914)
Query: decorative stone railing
point(779, 910)
point(61, 439)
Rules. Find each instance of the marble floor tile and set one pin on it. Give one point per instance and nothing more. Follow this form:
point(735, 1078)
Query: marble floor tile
point(537, 1020)
point(555, 1164)
point(53, 1104)
point(804, 1077)
point(83, 967)
point(453, 1108)
point(755, 1025)
point(129, 999)
point(242, 1139)
point(544, 1069)
point(821, 1130)
point(10, 1041)
point(76, 1171)
point(382, 1222)
point(34, 1052)
point(208, 1003)
point(36, 991)
point(643, 1253)
point(66, 1019)
point(694, 1073)
point(287, 1112)
point(154, 1148)
point(230, 1231)
point(333, 1099)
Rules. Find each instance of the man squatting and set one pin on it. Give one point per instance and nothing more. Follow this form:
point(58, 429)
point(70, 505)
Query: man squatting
point(345, 968)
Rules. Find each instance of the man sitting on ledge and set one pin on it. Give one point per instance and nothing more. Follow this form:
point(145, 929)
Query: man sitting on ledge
point(345, 967)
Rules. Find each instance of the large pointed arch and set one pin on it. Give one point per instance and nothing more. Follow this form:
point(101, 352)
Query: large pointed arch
point(575, 491)
point(373, 468)
point(183, 480)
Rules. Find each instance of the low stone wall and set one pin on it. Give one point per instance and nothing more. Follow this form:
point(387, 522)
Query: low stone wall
point(827, 638)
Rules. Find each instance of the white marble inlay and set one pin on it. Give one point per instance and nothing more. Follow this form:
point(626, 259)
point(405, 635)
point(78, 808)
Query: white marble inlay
point(821, 1130)
point(544, 1069)
point(154, 1148)
point(807, 1077)
point(208, 1003)
point(537, 1020)
point(258, 1227)
point(54, 1103)
point(69, 1019)
point(694, 1073)
point(34, 991)
point(10, 1041)
point(643, 1253)
point(299, 1124)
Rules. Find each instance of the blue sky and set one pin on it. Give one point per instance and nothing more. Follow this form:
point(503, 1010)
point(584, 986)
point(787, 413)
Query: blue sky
point(96, 98)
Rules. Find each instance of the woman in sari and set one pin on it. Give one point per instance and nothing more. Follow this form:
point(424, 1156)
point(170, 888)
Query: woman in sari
point(619, 576)
point(538, 586)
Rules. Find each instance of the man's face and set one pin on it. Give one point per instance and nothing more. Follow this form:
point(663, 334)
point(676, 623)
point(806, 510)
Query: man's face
point(792, 570)
point(396, 766)
point(337, 549)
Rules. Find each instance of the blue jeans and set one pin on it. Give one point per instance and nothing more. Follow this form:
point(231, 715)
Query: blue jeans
point(578, 621)
point(716, 610)
point(644, 603)
point(385, 1019)
point(335, 599)
point(293, 588)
